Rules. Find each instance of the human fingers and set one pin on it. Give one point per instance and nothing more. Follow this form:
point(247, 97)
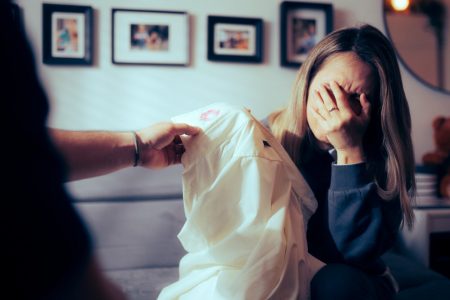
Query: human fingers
point(318, 107)
point(340, 96)
point(182, 128)
point(328, 102)
point(161, 135)
point(320, 119)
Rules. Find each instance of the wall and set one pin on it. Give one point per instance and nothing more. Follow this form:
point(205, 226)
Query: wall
point(413, 39)
point(107, 96)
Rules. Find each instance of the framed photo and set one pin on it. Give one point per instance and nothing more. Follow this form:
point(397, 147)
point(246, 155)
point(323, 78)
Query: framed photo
point(67, 34)
point(235, 39)
point(147, 37)
point(302, 26)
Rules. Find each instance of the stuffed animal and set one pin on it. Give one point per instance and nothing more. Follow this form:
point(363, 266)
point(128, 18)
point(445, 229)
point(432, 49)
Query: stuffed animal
point(441, 156)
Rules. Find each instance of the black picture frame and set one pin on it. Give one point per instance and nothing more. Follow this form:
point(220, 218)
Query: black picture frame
point(302, 26)
point(225, 48)
point(150, 37)
point(67, 32)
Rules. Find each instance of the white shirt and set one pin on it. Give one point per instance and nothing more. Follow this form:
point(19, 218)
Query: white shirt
point(246, 207)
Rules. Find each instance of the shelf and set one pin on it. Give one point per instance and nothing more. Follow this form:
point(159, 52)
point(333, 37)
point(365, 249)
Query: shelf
point(432, 203)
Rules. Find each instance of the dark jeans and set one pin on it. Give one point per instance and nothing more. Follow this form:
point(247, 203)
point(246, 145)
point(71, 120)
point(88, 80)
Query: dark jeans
point(339, 281)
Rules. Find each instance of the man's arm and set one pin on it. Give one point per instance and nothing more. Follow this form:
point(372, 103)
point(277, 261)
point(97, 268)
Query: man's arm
point(93, 153)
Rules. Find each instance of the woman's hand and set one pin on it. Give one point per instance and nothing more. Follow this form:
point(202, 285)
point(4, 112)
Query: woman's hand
point(160, 144)
point(344, 120)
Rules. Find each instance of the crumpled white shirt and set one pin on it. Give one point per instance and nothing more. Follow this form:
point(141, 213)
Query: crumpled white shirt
point(247, 208)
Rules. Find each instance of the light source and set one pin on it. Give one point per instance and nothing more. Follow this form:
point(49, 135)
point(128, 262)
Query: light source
point(400, 5)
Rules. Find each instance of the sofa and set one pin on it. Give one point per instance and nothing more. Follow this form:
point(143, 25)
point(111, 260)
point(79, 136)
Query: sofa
point(134, 216)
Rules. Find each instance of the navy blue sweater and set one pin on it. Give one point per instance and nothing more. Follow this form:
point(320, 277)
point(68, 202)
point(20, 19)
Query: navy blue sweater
point(352, 224)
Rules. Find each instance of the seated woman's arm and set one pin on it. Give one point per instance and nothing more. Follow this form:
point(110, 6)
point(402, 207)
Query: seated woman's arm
point(362, 224)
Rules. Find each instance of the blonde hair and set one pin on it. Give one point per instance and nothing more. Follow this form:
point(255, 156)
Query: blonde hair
point(387, 141)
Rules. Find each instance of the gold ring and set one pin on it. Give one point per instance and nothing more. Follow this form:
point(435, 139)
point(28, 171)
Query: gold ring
point(331, 109)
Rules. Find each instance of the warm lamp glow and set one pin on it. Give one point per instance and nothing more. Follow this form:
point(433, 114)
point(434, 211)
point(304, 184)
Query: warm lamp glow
point(400, 5)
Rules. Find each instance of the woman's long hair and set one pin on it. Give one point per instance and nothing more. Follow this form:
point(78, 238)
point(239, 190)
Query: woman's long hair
point(387, 141)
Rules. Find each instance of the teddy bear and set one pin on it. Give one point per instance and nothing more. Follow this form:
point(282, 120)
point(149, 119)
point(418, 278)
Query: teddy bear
point(441, 156)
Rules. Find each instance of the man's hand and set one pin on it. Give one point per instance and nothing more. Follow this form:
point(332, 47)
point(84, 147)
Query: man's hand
point(160, 144)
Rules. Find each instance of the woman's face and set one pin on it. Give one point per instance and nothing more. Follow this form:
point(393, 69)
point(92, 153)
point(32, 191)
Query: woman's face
point(353, 76)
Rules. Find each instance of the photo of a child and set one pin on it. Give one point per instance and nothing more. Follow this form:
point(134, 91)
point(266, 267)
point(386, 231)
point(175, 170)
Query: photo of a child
point(149, 37)
point(68, 35)
point(234, 39)
point(304, 35)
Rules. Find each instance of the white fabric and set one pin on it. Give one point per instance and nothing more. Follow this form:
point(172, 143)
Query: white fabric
point(246, 207)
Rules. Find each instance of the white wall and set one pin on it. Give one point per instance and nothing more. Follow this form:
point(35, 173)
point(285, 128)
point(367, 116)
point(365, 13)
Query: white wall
point(107, 96)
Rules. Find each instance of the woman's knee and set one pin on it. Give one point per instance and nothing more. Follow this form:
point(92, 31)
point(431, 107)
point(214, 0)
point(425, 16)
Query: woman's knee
point(339, 281)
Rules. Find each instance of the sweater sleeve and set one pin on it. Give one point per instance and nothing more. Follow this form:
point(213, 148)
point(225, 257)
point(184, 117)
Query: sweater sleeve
point(362, 224)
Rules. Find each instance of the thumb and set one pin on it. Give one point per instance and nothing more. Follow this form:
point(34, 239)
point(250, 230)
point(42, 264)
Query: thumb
point(181, 128)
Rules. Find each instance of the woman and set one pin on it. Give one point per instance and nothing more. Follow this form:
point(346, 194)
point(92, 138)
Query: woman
point(347, 127)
